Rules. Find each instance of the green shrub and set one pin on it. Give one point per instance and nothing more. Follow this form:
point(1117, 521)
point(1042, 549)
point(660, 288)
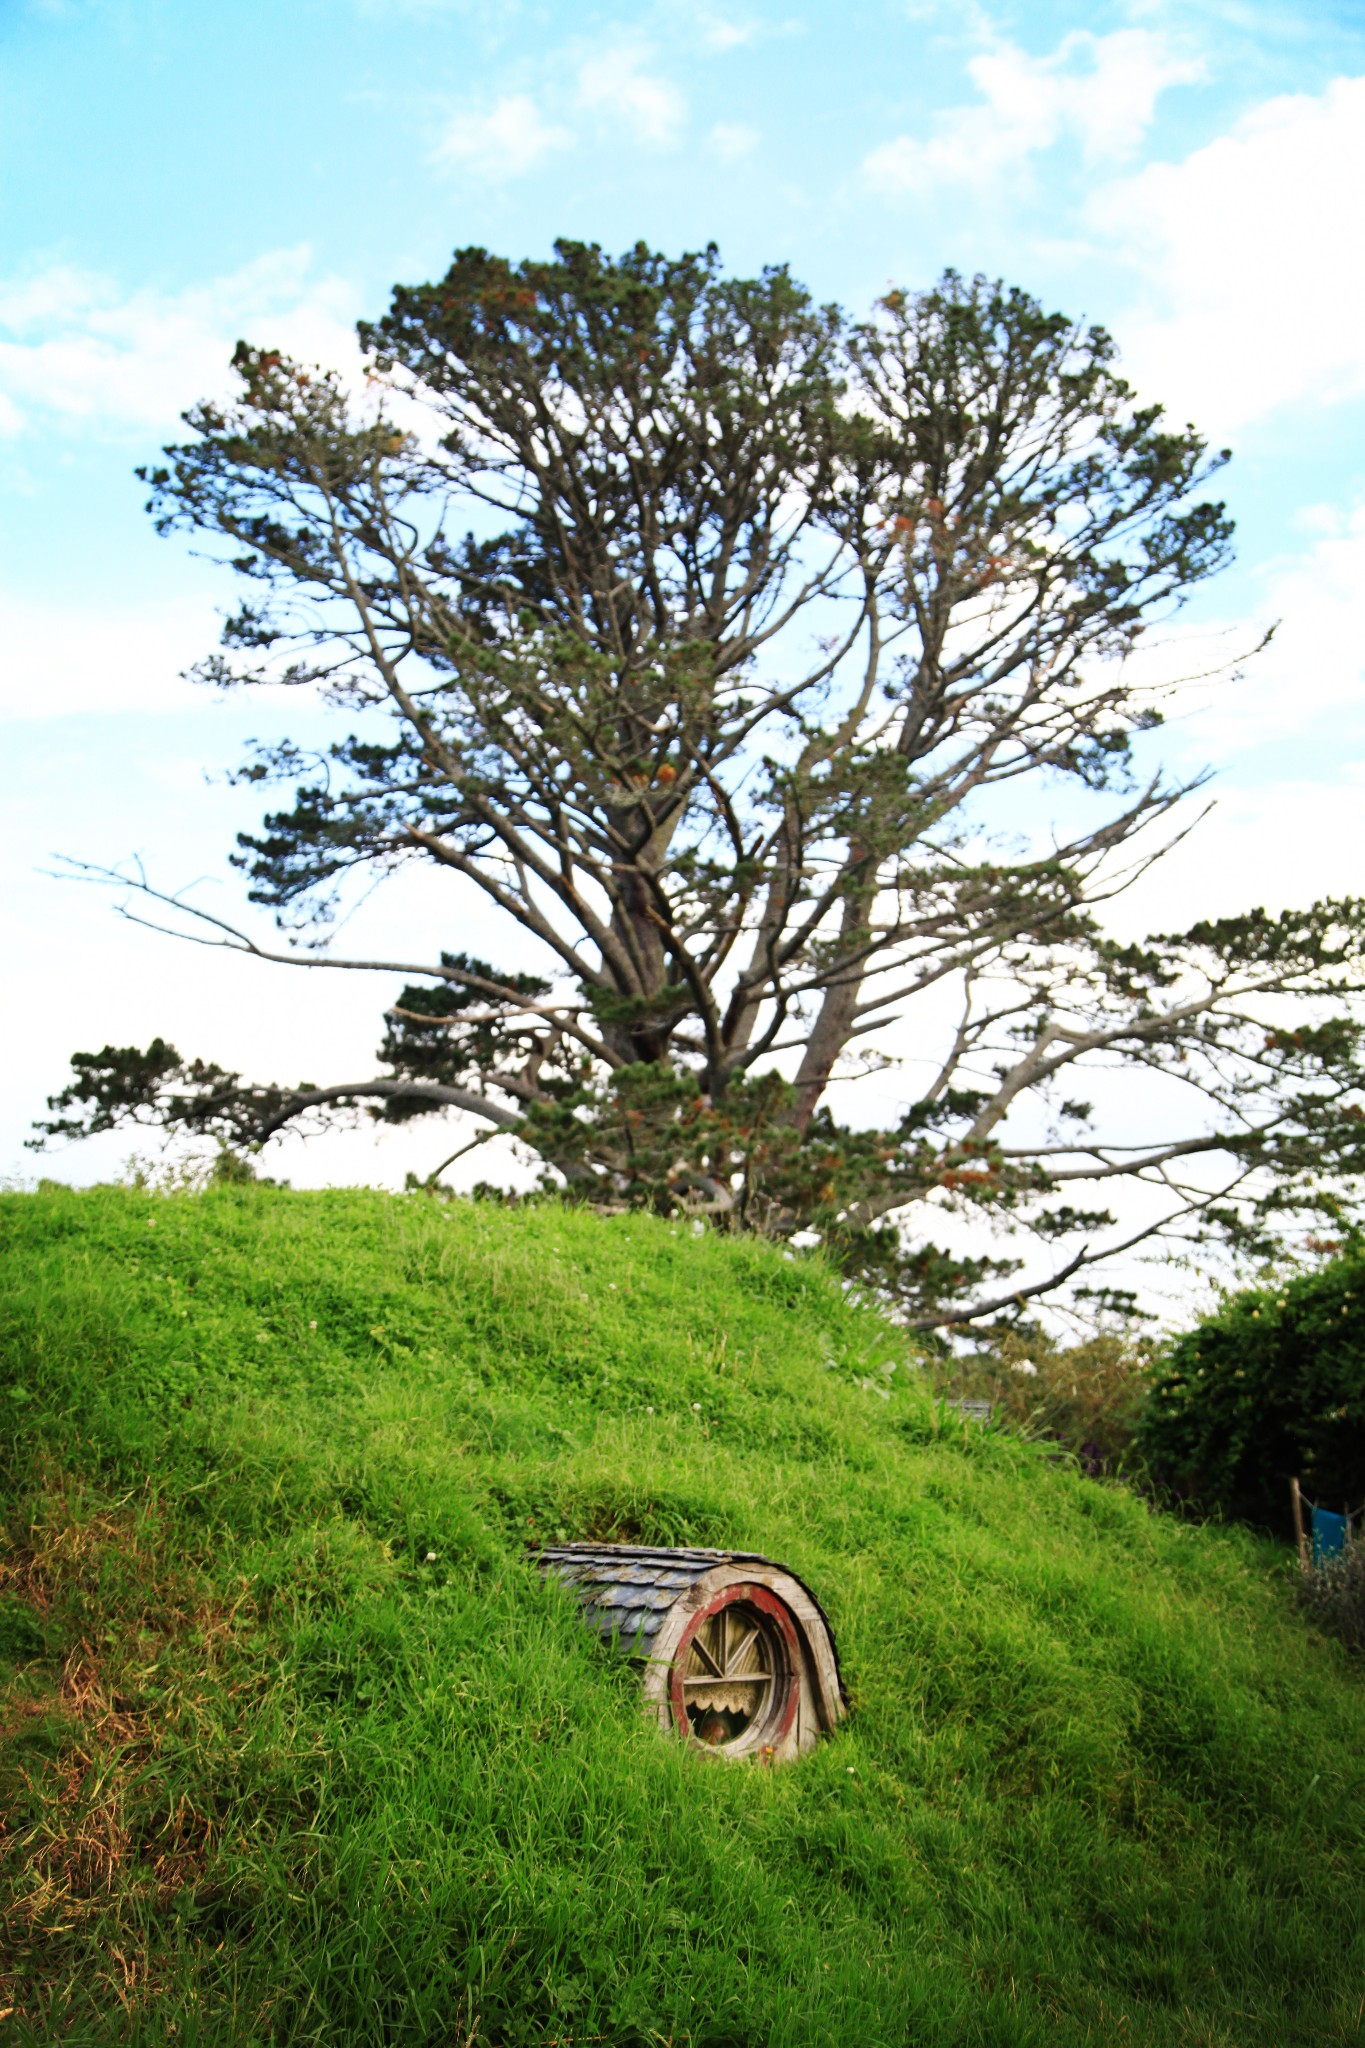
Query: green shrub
point(1086, 1397)
point(1273, 1386)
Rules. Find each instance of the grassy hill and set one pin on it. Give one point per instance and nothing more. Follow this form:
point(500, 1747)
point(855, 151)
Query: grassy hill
point(272, 1772)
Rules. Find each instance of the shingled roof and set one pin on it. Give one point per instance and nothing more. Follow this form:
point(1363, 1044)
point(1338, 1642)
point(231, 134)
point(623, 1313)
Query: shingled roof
point(626, 1589)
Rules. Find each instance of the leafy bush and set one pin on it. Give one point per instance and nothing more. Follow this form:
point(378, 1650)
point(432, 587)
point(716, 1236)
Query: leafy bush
point(1085, 1397)
point(180, 1173)
point(1270, 1387)
point(1334, 1595)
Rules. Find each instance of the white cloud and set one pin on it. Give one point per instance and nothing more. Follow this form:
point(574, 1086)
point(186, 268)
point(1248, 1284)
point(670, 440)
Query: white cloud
point(62, 659)
point(1253, 296)
point(1242, 709)
point(730, 140)
point(76, 351)
point(1278, 845)
point(1285, 737)
point(1314, 669)
point(508, 140)
point(1100, 91)
point(727, 35)
point(614, 84)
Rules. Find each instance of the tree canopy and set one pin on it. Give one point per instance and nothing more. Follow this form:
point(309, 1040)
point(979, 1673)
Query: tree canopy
point(769, 673)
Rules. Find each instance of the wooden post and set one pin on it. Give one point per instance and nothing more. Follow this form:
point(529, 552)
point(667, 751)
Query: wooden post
point(1296, 1499)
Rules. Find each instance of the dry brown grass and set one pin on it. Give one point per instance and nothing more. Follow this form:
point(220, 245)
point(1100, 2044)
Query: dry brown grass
point(92, 1834)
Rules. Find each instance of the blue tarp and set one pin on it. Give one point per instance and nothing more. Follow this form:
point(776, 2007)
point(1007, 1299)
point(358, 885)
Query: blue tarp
point(1329, 1535)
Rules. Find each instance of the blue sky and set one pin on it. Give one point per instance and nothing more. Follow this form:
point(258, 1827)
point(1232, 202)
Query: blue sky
point(177, 174)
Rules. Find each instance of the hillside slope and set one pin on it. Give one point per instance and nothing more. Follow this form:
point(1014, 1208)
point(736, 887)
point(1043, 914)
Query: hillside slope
point(294, 1745)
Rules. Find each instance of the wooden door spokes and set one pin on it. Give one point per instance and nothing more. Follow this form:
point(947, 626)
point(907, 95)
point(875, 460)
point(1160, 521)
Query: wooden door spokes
point(732, 1665)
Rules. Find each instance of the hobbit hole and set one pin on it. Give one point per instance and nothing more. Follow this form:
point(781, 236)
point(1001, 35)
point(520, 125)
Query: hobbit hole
point(736, 1654)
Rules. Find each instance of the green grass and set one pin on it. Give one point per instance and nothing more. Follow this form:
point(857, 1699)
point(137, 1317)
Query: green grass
point(269, 1774)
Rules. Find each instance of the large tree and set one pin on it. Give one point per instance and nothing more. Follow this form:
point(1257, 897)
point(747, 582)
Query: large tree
point(715, 640)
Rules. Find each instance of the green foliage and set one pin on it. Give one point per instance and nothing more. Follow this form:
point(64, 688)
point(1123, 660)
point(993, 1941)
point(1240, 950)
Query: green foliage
point(295, 1746)
point(652, 1139)
point(495, 1015)
point(1087, 1397)
point(123, 1086)
point(1270, 1388)
point(190, 1175)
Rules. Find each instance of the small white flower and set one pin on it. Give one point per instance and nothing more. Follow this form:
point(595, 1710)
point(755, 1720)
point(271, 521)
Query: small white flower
point(649, 1410)
point(696, 1407)
point(312, 1326)
point(431, 1557)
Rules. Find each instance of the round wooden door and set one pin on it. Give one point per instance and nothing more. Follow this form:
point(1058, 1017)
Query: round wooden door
point(735, 1678)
